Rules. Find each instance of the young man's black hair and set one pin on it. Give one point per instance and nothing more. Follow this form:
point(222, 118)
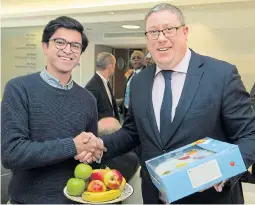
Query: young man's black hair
point(64, 22)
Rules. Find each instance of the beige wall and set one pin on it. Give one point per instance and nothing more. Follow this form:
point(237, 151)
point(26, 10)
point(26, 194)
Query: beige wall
point(235, 45)
point(20, 52)
point(19, 58)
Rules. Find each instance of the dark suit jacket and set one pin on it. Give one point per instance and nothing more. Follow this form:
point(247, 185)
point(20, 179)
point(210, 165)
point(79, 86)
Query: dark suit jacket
point(104, 106)
point(253, 95)
point(250, 177)
point(213, 103)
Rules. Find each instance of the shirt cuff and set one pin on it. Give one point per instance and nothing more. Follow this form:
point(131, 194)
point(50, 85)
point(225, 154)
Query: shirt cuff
point(98, 161)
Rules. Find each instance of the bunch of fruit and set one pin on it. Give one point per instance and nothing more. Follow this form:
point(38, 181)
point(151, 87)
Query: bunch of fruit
point(98, 185)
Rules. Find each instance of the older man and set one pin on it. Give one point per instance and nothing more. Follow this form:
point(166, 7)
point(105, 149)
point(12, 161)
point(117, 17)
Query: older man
point(99, 86)
point(184, 97)
point(137, 61)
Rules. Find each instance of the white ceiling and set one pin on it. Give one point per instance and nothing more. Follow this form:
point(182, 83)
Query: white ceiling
point(94, 14)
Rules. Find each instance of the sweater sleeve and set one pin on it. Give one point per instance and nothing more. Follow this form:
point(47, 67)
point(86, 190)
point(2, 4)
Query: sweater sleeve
point(17, 149)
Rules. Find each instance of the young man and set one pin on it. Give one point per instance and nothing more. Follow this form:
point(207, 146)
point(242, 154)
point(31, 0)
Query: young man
point(183, 98)
point(44, 119)
point(100, 87)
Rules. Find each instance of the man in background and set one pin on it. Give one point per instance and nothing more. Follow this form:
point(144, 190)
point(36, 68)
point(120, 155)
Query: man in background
point(44, 119)
point(137, 62)
point(100, 87)
point(148, 60)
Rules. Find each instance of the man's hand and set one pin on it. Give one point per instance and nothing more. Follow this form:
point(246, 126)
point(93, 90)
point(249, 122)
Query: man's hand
point(94, 148)
point(218, 187)
point(88, 142)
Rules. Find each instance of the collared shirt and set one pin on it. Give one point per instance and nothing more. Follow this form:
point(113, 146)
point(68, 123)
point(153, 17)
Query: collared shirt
point(127, 92)
point(177, 83)
point(105, 85)
point(54, 82)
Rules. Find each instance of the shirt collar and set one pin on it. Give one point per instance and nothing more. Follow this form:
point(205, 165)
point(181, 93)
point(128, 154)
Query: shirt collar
point(102, 77)
point(138, 70)
point(54, 82)
point(182, 66)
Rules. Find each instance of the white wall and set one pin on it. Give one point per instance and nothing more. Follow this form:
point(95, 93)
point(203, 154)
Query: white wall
point(234, 45)
point(20, 52)
point(17, 59)
point(87, 64)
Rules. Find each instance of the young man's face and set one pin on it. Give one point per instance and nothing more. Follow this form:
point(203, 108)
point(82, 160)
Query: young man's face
point(62, 57)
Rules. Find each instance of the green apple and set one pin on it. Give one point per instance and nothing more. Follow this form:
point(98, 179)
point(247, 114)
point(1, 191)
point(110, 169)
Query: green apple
point(75, 187)
point(83, 171)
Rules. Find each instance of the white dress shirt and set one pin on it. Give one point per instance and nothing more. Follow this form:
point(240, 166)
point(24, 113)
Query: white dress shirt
point(106, 86)
point(177, 83)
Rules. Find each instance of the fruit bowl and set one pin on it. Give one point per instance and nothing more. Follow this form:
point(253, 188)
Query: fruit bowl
point(127, 191)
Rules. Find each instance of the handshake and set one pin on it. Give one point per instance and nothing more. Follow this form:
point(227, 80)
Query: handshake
point(89, 148)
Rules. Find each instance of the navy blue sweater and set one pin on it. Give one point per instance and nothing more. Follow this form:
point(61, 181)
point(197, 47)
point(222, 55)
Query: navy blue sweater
point(39, 123)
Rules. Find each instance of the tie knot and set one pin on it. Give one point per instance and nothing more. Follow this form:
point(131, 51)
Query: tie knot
point(167, 74)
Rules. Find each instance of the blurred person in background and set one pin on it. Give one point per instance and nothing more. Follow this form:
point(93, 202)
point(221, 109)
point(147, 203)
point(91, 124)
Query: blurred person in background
point(148, 60)
point(137, 62)
point(99, 86)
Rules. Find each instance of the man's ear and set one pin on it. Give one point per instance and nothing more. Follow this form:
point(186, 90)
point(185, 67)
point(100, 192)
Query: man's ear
point(45, 47)
point(186, 31)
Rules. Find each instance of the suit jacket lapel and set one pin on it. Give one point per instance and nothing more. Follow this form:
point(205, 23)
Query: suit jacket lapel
point(193, 77)
point(150, 109)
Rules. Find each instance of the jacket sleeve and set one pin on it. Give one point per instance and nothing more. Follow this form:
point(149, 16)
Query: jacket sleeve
point(239, 116)
point(125, 139)
point(253, 96)
point(17, 149)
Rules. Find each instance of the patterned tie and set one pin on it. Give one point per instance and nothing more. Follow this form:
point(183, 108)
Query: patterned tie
point(114, 103)
point(166, 107)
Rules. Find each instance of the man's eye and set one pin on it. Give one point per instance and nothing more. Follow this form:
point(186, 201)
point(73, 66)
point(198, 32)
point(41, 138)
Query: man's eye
point(168, 29)
point(76, 46)
point(59, 42)
point(153, 31)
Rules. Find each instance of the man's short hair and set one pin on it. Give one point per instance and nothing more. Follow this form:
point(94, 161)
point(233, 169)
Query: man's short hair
point(64, 22)
point(137, 53)
point(107, 126)
point(103, 60)
point(166, 7)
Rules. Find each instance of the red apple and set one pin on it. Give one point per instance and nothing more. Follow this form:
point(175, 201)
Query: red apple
point(96, 186)
point(98, 174)
point(113, 179)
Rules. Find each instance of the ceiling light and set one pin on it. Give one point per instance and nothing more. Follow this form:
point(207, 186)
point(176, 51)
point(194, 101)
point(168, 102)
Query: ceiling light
point(130, 26)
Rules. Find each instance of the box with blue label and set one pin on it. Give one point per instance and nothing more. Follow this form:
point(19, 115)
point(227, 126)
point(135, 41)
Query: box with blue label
point(195, 167)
